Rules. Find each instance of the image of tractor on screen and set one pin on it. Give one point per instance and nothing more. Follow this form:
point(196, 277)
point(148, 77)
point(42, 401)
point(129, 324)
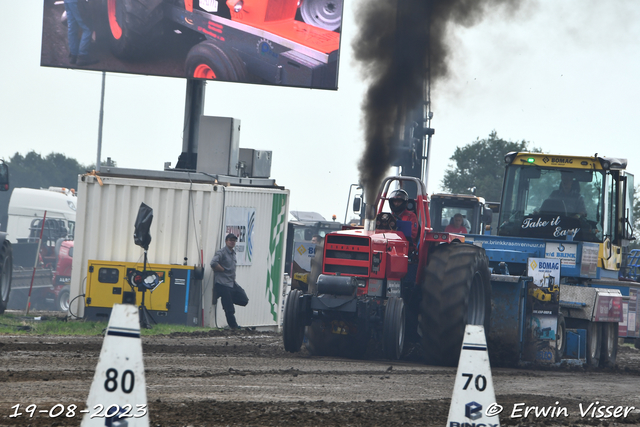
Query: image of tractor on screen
point(274, 42)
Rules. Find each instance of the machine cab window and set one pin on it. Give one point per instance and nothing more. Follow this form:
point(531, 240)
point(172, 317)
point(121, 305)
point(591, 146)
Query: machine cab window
point(554, 203)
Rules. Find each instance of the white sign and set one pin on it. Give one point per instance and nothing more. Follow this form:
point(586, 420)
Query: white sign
point(241, 222)
point(566, 252)
point(545, 271)
point(209, 5)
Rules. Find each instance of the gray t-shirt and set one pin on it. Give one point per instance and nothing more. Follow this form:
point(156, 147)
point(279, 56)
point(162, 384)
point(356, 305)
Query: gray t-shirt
point(226, 258)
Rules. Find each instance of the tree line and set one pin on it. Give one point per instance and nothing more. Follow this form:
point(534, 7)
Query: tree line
point(36, 171)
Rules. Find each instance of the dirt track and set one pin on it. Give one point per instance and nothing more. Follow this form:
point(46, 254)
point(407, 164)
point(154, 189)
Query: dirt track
point(246, 378)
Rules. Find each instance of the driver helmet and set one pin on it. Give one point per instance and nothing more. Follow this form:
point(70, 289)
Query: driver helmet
point(398, 195)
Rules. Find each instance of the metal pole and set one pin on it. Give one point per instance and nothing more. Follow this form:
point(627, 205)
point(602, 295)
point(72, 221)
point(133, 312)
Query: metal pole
point(35, 264)
point(193, 109)
point(428, 158)
point(346, 211)
point(99, 156)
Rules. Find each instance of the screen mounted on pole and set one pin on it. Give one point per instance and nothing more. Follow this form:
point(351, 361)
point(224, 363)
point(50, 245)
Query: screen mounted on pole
point(274, 42)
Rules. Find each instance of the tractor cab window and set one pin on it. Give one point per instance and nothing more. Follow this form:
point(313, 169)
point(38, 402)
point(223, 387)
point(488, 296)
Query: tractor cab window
point(553, 203)
point(454, 218)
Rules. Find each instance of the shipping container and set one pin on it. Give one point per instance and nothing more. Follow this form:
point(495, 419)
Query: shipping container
point(190, 220)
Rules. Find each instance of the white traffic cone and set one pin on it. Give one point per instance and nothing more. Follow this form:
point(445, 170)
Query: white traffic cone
point(118, 394)
point(473, 391)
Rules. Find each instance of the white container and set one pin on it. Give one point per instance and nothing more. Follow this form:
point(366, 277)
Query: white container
point(189, 223)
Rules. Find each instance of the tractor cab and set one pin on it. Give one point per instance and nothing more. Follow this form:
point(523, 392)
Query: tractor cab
point(585, 199)
point(476, 213)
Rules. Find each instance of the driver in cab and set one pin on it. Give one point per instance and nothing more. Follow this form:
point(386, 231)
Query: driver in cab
point(398, 203)
point(569, 194)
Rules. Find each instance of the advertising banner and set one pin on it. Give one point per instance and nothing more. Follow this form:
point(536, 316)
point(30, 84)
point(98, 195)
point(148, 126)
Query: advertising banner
point(545, 272)
point(241, 222)
point(302, 255)
point(542, 309)
point(566, 252)
point(284, 43)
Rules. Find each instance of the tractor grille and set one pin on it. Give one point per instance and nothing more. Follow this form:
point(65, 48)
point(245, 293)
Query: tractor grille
point(347, 255)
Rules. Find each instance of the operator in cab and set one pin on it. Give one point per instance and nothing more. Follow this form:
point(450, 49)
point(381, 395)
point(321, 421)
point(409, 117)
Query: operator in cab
point(398, 203)
point(569, 195)
point(457, 225)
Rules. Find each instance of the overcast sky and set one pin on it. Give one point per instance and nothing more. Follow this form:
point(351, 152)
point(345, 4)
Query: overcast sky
point(562, 74)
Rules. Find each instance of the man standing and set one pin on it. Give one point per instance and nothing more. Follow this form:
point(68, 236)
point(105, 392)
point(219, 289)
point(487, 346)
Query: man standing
point(78, 49)
point(224, 266)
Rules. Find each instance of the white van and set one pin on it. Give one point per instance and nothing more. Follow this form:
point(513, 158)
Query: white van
point(27, 204)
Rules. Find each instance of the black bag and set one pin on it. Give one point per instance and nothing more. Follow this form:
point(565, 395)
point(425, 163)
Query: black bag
point(239, 296)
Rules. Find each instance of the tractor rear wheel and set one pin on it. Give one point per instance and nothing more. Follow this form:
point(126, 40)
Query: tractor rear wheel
point(456, 291)
point(133, 25)
point(292, 325)
point(609, 349)
point(594, 343)
point(207, 60)
point(393, 329)
point(6, 267)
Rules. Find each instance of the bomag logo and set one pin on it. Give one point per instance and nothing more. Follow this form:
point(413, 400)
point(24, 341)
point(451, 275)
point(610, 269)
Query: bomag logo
point(561, 161)
point(558, 160)
point(548, 265)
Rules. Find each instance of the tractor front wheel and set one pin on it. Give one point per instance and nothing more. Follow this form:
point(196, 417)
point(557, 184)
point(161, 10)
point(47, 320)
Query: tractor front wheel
point(609, 349)
point(207, 60)
point(393, 329)
point(292, 325)
point(594, 343)
point(561, 337)
point(62, 300)
point(456, 291)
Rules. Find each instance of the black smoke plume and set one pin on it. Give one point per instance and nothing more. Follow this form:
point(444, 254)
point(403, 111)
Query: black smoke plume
point(398, 43)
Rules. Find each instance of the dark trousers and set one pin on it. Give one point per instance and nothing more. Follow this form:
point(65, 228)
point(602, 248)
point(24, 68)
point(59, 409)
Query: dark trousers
point(224, 292)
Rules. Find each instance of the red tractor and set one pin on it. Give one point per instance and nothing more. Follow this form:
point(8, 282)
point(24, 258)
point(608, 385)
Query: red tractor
point(52, 277)
point(376, 283)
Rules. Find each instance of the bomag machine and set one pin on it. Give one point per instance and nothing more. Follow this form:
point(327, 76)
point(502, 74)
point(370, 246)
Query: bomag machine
point(565, 226)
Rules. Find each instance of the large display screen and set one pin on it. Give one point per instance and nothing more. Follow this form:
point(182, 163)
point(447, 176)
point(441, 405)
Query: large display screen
point(276, 42)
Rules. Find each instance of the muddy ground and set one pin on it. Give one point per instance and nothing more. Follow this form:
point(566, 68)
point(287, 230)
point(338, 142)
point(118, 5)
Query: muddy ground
point(245, 378)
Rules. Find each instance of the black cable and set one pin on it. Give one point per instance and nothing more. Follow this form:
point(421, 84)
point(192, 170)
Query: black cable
point(84, 281)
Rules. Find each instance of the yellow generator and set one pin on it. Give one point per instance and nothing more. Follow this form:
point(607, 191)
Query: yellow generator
point(177, 299)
